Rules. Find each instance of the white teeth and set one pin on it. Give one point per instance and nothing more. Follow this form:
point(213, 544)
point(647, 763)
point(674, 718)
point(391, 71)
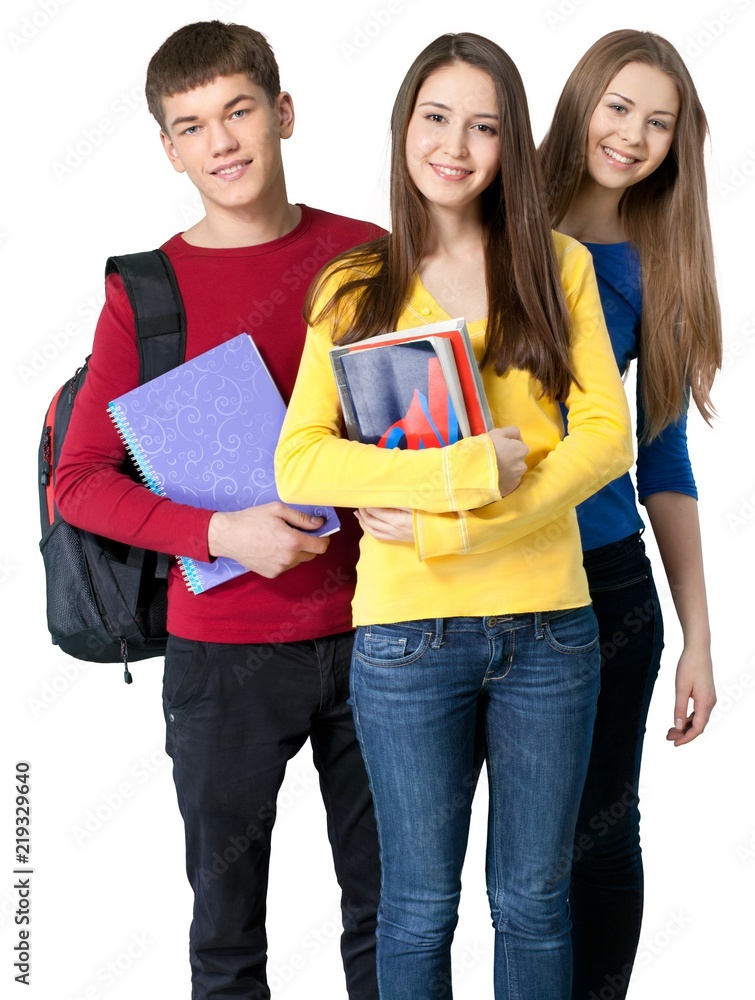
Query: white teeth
point(450, 171)
point(230, 170)
point(615, 156)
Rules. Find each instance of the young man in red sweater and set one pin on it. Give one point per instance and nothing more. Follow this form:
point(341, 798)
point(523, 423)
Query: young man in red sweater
point(255, 666)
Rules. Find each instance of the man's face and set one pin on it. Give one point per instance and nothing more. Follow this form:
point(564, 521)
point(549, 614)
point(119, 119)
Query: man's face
point(226, 136)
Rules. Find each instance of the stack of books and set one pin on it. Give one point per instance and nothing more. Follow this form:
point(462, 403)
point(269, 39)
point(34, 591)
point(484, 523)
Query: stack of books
point(415, 388)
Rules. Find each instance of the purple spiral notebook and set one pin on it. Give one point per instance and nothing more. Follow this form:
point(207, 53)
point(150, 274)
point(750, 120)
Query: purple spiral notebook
point(204, 434)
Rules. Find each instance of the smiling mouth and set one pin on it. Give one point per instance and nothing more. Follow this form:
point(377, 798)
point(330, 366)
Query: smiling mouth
point(230, 169)
point(445, 171)
point(618, 157)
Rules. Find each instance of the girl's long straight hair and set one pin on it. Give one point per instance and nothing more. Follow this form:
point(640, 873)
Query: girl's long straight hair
point(665, 216)
point(528, 323)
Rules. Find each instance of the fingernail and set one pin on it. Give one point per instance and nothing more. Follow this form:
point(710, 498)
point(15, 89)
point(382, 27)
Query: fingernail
point(678, 723)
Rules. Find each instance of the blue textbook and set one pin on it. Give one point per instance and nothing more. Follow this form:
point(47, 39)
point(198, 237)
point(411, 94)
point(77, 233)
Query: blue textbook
point(204, 434)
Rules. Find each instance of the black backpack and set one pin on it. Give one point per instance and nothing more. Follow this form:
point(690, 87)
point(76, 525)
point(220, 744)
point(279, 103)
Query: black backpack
point(106, 601)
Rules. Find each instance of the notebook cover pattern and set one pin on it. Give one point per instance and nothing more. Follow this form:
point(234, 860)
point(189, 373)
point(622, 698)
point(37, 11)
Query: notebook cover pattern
point(204, 434)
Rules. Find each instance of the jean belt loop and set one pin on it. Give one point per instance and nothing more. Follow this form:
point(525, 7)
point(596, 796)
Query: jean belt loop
point(538, 616)
point(438, 637)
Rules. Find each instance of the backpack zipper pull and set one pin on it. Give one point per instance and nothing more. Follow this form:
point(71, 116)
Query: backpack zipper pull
point(124, 656)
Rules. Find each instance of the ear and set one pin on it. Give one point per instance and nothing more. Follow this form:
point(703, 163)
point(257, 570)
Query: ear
point(284, 107)
point(170, 149)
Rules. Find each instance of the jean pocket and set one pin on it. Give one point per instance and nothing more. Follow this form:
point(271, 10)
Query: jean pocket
point(187, 667)
point(616, 566)
point(390, 645)
point(573, 632)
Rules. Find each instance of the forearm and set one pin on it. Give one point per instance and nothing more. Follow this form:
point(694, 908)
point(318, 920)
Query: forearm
point(105, 501)
point(548, 492)
point(676, 527)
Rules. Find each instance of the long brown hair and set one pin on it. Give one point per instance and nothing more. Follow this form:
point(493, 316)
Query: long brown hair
point(528, 323)
point(665, 216)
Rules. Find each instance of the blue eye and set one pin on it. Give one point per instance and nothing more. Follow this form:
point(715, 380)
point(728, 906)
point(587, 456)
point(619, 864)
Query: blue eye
point(191, 130)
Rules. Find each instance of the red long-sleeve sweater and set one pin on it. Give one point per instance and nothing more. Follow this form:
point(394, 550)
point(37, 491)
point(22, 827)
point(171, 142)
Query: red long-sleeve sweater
point(257, 290)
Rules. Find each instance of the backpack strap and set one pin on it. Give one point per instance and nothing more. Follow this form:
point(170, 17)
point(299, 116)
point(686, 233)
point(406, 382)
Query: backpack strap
point(159, 315)
point(160, 323)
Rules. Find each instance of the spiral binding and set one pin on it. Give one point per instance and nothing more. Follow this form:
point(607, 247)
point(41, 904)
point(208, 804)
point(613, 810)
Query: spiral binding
point(188, 567)
point(190, 573)
point(138, 457)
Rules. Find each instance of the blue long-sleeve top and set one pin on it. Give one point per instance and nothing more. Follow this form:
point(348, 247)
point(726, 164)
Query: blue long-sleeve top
point(662, 465)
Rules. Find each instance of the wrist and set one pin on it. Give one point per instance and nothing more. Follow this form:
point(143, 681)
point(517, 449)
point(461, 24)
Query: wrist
point(217, 529)
point(696, 629)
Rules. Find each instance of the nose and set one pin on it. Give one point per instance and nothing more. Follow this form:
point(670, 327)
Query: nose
point(222, 140)
point(630, 132)
point(455, 142)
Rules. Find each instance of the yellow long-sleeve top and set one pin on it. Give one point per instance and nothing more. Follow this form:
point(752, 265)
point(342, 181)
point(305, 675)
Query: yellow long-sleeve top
point(474, 552)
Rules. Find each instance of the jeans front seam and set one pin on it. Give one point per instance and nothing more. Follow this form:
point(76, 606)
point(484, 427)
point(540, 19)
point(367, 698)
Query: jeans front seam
point(490, 678)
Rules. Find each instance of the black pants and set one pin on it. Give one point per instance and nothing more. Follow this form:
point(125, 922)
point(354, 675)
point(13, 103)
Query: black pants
point(606, 892)
point(235, 716)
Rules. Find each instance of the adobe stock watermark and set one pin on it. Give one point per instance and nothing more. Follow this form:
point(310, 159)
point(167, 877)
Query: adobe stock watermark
point(463, 960)
point(561, 12)
point(7, 569)
point(282, 974)
point(736, 349)
point(238, 845)
point(738, 176)
point(112, 802)
point(90, 139)
point(653, 945)
point(730, 695)
point(55, 686)
point(743, 515)
point(110, 973)
point(34, 22)
point(712, 28)
point(223, 8)
point(57, 341)
point(364, 34)
point(746, 852)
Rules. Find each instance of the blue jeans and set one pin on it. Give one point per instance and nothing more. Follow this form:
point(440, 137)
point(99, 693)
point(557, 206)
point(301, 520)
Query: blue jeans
point(607, 881)
point(417, 691)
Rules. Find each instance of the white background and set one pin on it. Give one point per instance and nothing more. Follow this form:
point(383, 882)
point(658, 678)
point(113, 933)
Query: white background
point(111, 905)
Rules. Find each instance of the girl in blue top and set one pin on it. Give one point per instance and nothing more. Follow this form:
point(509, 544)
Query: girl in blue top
point(623, 163)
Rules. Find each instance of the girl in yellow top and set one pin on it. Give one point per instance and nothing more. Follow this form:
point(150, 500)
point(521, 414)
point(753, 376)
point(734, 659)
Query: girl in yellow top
point(471, 596)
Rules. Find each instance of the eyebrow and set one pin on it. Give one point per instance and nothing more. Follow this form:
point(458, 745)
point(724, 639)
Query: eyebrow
point(445, 107)
point(226, 107)
point(628, 100)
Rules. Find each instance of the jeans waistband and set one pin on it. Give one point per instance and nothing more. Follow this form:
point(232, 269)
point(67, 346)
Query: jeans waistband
point(499, 623)
point(617, 564)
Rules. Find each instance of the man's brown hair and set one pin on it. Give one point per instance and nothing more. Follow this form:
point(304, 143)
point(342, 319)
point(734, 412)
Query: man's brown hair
point(195, 54)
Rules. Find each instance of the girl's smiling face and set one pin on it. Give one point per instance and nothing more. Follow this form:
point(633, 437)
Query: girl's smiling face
point(632, 128)
point(453, 137)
